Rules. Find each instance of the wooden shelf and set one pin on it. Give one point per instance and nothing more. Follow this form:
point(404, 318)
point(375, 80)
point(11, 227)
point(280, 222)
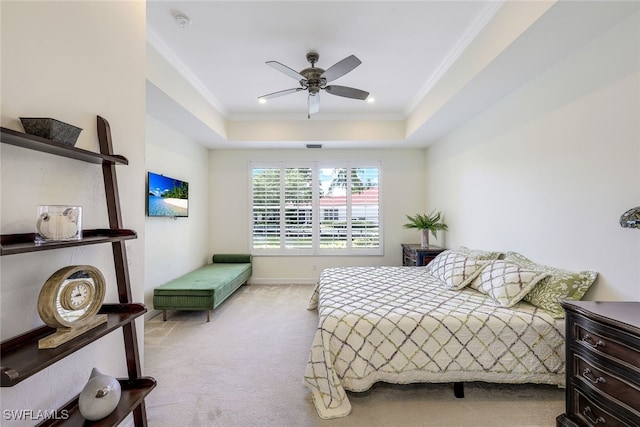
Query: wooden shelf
point(32, 142)
point(133, 393)
point(21, 243)
point(20, 357)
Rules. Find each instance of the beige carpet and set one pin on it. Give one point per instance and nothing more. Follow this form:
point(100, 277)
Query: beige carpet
point(245, 368)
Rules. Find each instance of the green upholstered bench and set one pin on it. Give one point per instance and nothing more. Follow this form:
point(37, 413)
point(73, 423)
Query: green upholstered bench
point(206, 287)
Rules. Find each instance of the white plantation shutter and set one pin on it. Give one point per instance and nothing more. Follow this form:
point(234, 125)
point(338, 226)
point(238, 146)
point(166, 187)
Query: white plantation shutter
point(350, 209)
point(298, 191)
point(307, 209)
point(266, 207)
point(366, 213)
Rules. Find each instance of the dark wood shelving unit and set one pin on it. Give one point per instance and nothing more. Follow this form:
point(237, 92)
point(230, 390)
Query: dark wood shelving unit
point(20, 357)
point(11, 244)
point(133, 393)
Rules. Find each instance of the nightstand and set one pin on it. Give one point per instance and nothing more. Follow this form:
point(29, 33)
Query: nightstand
point(416, 255)
point(603, 364)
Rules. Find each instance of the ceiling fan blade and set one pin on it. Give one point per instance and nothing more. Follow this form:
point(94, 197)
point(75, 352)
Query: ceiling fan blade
point(286, 70)
point(341, 68)
point(314, 104)
point(280, 93)
point(347, 92)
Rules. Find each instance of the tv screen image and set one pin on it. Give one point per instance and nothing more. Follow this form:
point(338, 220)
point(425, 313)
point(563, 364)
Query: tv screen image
point(167, 196)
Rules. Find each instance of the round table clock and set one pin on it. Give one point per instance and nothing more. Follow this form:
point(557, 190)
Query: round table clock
point(69, 301)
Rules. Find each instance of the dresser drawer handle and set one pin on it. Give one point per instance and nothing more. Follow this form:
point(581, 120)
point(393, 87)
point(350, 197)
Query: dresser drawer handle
point(587, 339)
point(589, 376)
point(587, 413)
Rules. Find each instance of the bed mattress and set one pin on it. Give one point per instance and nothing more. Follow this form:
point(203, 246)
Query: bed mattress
point(400, 325)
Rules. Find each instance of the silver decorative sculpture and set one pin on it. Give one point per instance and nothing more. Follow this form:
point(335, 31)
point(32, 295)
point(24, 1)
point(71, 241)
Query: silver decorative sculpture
point(631, 218)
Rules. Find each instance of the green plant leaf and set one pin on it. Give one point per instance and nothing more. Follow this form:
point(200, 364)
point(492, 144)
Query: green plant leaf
point(431, 222)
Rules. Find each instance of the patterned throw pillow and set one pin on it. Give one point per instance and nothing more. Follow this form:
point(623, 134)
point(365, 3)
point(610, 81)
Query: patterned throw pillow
point(560, 285)
point(455, 269)
point(507, 283)
point(480, 253)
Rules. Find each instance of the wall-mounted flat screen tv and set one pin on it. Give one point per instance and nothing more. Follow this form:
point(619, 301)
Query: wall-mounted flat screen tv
point(167, 196)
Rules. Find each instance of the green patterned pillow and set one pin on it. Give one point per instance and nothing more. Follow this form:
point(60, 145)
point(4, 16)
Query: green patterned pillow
point(507, 283)
point(456, 270)
point(480, 253)
point(559, 286)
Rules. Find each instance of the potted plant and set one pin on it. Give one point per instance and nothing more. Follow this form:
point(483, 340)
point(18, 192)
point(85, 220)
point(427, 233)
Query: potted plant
point(426, 223)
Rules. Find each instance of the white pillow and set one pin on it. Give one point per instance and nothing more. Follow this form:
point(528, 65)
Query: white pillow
point(506, 282)
point(455, 269)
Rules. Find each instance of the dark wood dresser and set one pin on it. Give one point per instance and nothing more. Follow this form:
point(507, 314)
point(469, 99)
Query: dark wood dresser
point(415, 255)
point(603, 364)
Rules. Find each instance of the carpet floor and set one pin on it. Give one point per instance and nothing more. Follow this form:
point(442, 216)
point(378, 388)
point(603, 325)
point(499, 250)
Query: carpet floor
point(245, 368)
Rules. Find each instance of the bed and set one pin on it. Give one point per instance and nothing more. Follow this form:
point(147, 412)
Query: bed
point(414, 324)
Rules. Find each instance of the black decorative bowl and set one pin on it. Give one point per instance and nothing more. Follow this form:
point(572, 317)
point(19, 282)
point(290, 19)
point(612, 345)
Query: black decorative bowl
point(52, 129)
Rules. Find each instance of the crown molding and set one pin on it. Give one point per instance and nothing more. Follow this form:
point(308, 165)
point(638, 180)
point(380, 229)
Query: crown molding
point(472, 32)
point(165, 51)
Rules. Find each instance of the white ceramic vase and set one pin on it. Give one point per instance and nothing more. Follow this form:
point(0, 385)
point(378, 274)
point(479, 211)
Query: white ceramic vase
point(100, 396)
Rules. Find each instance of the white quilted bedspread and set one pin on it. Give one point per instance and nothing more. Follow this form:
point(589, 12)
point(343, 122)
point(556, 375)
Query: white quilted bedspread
point(400, 325)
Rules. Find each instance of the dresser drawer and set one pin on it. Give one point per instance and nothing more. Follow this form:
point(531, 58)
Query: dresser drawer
point(599, 339)
point(590, 413)
point(603, 364)
point(611, 385)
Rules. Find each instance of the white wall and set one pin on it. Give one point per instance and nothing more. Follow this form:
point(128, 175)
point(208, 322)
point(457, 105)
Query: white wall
point(402, 192)
point(548, 170)
point(174, 247)
point(64, 60)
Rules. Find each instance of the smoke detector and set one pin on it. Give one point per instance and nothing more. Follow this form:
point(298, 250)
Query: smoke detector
point(182, 21)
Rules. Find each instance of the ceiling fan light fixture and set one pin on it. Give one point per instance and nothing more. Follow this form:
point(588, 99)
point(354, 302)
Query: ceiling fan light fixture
point(371, 99)
point(314, 79)
point(262, 100)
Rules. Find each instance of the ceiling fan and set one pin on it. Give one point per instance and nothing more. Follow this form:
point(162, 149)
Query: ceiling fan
point(315, 79)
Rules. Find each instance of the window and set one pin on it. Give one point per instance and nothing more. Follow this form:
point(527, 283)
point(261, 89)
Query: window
point(315, 209)
point(330, 214)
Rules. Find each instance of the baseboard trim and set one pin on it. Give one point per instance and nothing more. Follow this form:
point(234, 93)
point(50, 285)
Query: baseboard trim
point(150, 314)
point(282, 281)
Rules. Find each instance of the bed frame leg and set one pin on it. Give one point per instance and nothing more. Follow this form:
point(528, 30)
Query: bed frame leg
point(164, 315)
point(458, 390)
point(208, 315)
